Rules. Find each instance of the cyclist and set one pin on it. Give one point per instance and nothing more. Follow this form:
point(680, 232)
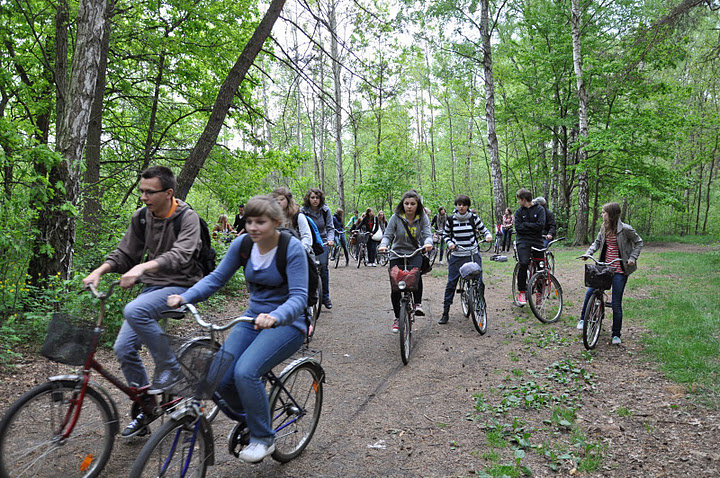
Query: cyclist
point(340, 232)
point(550, 227)
point(409, 216)
point(529, 225)
point(615, 240)
point(369, 224)
point(315, 208)
point(277, 307)
point(292, 217)
point(507, 225)
point(170, 268)
point(438, 222)
point(461, 229)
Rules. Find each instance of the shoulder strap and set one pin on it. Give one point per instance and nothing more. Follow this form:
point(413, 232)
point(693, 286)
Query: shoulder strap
point(407, 229)
point(280, 255)
point(177, 223)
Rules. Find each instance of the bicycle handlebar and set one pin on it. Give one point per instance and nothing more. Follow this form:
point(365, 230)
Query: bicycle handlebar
point(469, 249)
point(585, 257)
point(102, 295)
point(192, 310)
point(399, 256)
point(548, 246)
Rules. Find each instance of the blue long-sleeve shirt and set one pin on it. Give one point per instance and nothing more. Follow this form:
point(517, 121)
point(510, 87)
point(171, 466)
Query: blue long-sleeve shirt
point(269, 294)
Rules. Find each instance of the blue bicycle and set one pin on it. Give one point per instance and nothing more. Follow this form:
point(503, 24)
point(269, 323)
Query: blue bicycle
point(184, 445)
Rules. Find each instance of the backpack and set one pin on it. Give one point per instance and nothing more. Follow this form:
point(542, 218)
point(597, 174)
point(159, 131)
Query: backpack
point(281, 258)
point(208, 255)
point(317, 242)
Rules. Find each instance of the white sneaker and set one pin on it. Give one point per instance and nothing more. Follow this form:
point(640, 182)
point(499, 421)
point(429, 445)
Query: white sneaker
point(255, 452)
point(616, 340)
point(440, 263)
point(372, 264)
point(580, 324)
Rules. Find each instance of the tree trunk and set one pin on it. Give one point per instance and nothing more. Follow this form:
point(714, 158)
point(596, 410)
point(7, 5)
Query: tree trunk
point(224, 99)
point(490, 113)
point(338, 107)
point(581, 226)
point(53, 249)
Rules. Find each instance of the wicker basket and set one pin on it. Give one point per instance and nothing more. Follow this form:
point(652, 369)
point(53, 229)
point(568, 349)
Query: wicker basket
point(69, 340)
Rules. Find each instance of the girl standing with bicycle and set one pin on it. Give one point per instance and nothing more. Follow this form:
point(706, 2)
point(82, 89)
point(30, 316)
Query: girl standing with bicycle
point(407, 228)
point(507, 227)
point(370, 225)
point(276, 304)
point(615, 240)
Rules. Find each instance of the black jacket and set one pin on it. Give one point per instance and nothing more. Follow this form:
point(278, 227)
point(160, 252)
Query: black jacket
point(529, 225)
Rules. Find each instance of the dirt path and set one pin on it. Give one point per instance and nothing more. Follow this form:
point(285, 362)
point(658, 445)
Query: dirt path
point(381, 418)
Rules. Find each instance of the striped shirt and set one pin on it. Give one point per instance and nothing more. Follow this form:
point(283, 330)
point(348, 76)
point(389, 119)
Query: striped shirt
point(613, 252)
point(462, 233)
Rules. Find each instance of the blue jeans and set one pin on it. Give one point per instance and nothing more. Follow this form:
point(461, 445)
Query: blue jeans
point(343, 243)
point(506, 239)
point(454, 264)
point(618, 288)
point(441, 245)
point(256, 353)
point(324, 273)
point(141, 327)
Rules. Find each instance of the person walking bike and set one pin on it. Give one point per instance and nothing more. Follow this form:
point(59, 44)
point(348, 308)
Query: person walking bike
point(407, 230)
point(615, 240)
point(315, 208)
point(438, 222)
point(170, 268)
point(340, 234)
point(277, 303)
point(529, 225)
point(461, 229)
point(370, 225)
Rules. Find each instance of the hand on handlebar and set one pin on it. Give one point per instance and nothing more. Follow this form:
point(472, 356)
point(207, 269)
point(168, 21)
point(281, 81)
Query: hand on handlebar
point(382, 249)
point(174, 301)
point(265, 321)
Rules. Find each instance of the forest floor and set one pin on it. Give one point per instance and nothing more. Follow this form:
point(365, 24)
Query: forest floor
point(541, 393)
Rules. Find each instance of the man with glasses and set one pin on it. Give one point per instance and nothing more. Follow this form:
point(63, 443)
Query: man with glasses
point(170, 267)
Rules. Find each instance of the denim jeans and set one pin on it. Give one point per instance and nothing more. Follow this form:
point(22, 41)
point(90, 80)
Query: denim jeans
point(441, 245)
point(454, 264)
point(506, 236)
point(618, 288)
point(343, 243)
point(324, 273)
point(418, 294)
point(256, 353)
point(141, 327)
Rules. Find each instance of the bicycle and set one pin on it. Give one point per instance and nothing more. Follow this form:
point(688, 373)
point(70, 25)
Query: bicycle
point(600, 280)
point(362, 253)
point(336, 252)
point(383, 258)
point(544, 293)
point(405, 282)
point(184, 445)
point(314, 310)
point(68, 424)
point(472, 292)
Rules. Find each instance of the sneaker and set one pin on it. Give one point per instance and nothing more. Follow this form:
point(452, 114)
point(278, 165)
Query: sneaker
point(166, 380)
point(441, 262)
point(372, 264)
point(616, 340)
point(419, 312)
point(311, 330)
point(395, 327)
point(444, 319)
point(580, 324)
point(521, 298)
point(138, 427)
point(327, 304)
point(255, 452)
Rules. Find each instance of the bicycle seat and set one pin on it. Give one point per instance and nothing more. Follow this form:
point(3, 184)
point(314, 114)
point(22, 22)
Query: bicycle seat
point(470, 270)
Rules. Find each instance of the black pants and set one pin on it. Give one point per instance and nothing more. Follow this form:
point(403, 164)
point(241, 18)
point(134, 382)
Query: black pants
point(524, 253)
point(417, 295)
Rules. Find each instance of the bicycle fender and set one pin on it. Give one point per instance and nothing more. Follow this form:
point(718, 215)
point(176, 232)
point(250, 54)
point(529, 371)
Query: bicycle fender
point(186, 409)
point(309, 360)
point(99, 389)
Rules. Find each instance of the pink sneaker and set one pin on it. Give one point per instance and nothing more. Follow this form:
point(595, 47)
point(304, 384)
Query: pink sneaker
point(521, 298)
point(395, 327)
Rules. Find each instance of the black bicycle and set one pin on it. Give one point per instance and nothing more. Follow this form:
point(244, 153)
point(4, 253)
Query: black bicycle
point(362, 253)
point(472, 293)
point(406, 282)
point(598, 277)
point(184, 445)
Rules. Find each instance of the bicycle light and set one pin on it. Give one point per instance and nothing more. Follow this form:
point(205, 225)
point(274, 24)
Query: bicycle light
point(402, 285)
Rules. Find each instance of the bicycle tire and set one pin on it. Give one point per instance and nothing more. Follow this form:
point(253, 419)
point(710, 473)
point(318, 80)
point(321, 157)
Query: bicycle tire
point(29, 446)
point(545, 297)
point(383, 258)
point(295, 428)
point(166, 453)
point(550, 259)
point(592, 322)
point(315, 309)
point(405, 331)
point(479, 310)
point(515, 291)
point(209, 407)
point(338, 252)
point(360, 256)
point(484, 246)
point(464, 298)
point(432, 255)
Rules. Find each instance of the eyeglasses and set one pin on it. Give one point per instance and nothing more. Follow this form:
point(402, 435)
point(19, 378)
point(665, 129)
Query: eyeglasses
point(150, 192)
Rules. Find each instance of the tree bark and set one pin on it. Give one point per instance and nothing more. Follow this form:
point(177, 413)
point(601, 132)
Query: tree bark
point(232, 82)
point(581, 225)
point(53, 248)
point(338, 106)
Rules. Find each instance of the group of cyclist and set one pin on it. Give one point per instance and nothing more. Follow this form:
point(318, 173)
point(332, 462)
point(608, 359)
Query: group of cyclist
point(164, 258)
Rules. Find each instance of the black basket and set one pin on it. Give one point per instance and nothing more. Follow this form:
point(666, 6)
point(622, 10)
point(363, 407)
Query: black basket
point(599, 277)
point(203, 367)
point(69, 340)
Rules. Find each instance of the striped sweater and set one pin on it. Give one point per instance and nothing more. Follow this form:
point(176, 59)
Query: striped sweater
point(461, 233)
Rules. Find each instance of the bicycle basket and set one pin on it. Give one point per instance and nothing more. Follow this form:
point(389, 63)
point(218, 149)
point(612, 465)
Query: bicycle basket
point(69, 340)
point(470, 269)
point(203, 367)
point(410, 277)
point(599, 277)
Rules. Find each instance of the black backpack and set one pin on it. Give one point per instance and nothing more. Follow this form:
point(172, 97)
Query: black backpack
point(281, 257)
point(207, 257)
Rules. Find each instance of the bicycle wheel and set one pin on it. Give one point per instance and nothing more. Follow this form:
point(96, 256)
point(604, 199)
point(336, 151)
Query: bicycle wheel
point(464, 299)
point(405, 331)
point(383, 258)
point(338, 252)
point(30, 441)
point(479, 310)
point(432, 255)
point(315, 309)
point(515, 291)
point(200, 348)
point(360, 255)
point(545, 297)
point(179, 448)
point(295, 411)
point(592, 322)
point(485, 246)
point(550, 258)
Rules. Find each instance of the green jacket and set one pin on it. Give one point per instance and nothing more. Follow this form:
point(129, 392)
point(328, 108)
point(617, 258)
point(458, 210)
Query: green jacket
point(629, 243)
